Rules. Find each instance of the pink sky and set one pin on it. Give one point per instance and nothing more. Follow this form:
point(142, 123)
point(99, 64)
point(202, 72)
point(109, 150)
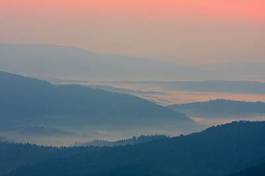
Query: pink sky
point(235, 9)
point(197, 30)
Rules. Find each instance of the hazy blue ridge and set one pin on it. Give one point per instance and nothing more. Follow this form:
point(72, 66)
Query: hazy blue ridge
point(221, 108)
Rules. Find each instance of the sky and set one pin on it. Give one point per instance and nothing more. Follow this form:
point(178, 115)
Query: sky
point(182, 31)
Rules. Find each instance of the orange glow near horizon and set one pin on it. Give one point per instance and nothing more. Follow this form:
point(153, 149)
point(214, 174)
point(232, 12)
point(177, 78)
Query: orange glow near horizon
point(182, 31)
point(233, 9)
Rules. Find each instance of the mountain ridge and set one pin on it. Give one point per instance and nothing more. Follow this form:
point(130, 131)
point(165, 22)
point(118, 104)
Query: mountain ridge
point(221, 108)
point(219, 150)
point(27, 102)
point(58, 61)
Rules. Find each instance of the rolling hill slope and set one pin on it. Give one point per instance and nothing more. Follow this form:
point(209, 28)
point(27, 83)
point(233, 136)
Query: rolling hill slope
point(31, 102)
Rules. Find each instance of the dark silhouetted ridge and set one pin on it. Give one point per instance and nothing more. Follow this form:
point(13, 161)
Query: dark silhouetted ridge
point(219, 151)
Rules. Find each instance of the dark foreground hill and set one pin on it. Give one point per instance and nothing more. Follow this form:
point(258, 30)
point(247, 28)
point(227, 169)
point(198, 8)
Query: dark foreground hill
point(13, 155)
point(221, 108)
point(217, 151)
point(257, 170)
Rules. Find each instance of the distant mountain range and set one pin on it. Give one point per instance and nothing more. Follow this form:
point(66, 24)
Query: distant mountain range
point(221, 108)
point(2, 139)
point(220, 151)
point(27, 102)
point(53, 61)
point(208, 86)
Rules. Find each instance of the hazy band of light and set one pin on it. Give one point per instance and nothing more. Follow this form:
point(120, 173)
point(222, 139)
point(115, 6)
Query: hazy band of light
point(189, 31)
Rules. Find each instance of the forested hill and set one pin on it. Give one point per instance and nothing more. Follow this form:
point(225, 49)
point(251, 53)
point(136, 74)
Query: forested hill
point(257, 170)
point(218, 151)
